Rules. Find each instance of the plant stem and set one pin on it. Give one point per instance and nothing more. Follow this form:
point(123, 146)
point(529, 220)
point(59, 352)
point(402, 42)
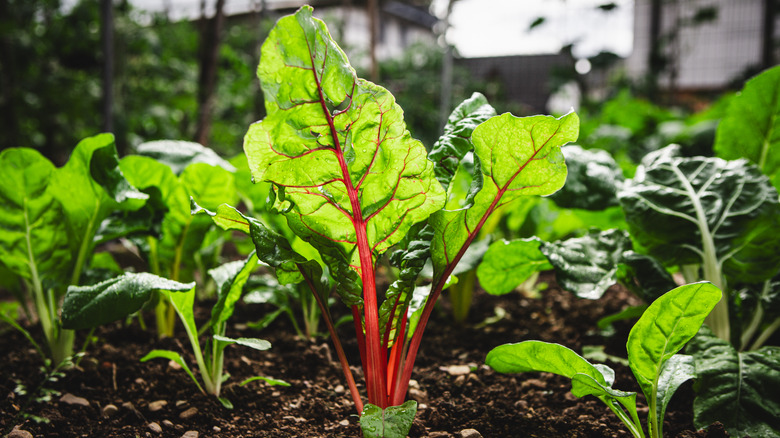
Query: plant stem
point(766, 334)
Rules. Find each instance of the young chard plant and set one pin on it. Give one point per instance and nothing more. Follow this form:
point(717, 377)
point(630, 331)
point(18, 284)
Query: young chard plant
point(352, 182)
point(51, 223)
point(91, 306)
point(664, 328)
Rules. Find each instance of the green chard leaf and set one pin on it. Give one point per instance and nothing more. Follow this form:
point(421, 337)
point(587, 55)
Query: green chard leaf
point(538, 356)
point(455, 143)
point(592, 179)
point(230, 279)
point(513, 157)
point(90, 187)
point(508, 264)
point(739, 389)
point(33, 243)
point(392, 422)
point(665, 327)
point(751, 126)
point(91, 306)
point(178, 155)
point(705, 211)
point(587, 266)
point(676, 371)
point(346, 172)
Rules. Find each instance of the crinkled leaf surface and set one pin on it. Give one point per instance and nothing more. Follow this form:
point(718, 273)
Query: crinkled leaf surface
point(455, 143)
point(587, 266)
point(336, 147)
point(538, 356)
point(392, 422)
point(592, 179)
point(91, 306)
point(509, 263)
point(33, 241)
point(178, 155)
point(673, 204)
point(751, 126)
point(676, 371)
point(644, 275)
point(739, 389)
point(665, 327)
point(514, 157)
point(230, 279)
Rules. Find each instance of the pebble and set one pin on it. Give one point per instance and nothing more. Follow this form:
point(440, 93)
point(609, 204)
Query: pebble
point(189, 413)
point(190, 434)
point(168, 423)
point(154, 427)
point(344, 422)
point(339, 389)
point(19, 433)
point(174, 365)
point(109, 410)
point(470, 433)
point(457, 370)
point(216, 429)
point(74, 400)
point(157, 405)
point(439, 435)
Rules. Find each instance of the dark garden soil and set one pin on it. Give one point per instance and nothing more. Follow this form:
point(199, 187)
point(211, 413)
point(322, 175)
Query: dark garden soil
point(112, 394)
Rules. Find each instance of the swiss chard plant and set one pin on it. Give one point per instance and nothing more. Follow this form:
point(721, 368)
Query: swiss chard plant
point(353, 183)
point(52, 223)
point(91, 306)
point(653, 343)
point(172, 172)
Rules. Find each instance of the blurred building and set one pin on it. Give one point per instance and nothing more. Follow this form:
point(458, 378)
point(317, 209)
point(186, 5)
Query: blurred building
point(703, 45)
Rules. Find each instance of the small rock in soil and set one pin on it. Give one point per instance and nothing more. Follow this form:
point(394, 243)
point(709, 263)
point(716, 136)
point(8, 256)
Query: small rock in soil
point(168, 423)
point(19, 433)
point(154, 427)
point(216, 429)
point(173, 365)
point(157, 405)
point(470, 433)
point(189, 413)
point(339, 389)
point(109, 410)
point(71, 399)
point(180, 403)
point(457, 370)
point(344, 422)
point(190, 434)
point(439, 435)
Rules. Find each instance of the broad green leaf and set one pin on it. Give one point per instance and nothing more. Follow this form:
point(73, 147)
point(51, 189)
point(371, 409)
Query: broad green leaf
point(175, 357)
point(226, 217)
point(392, 422)
point(592, 179)
point(514, 157)
point(665, 327)
point(455, 143)
point(630, 312)
point(587, 266)
point(257, 344)
point(91, 186)
point(177, 155)
point(33, 241)
point(644, 276)
point(91, 306)
point(268, 380)
point(676, 371)
point(183, 304)
point(583, 384)
point(230, 279)
point(538, 356)
point(508, 264)
point(209, 185)
point(739, 389)
point(705, 211)
point(751, 126)
point(336, 148)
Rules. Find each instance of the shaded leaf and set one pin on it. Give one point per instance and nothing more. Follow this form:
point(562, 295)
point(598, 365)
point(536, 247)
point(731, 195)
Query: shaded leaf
point(178, 155)
point(592, 179)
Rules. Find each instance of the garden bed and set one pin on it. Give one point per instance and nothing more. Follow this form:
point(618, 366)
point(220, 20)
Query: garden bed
point(155, 399)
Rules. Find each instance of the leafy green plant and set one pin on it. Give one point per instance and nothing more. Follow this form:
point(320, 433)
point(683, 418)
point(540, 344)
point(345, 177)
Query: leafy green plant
point(91, 306)
point(52, 223)
point(172, 172)
point(352, 182)
point(664, 328)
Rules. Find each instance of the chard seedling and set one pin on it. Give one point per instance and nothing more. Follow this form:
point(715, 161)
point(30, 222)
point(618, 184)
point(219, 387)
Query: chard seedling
point(352, 182)
point(664, 328)
point(91, 306)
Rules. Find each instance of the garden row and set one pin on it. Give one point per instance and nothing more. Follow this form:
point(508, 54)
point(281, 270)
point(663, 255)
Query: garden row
point(349, 204)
